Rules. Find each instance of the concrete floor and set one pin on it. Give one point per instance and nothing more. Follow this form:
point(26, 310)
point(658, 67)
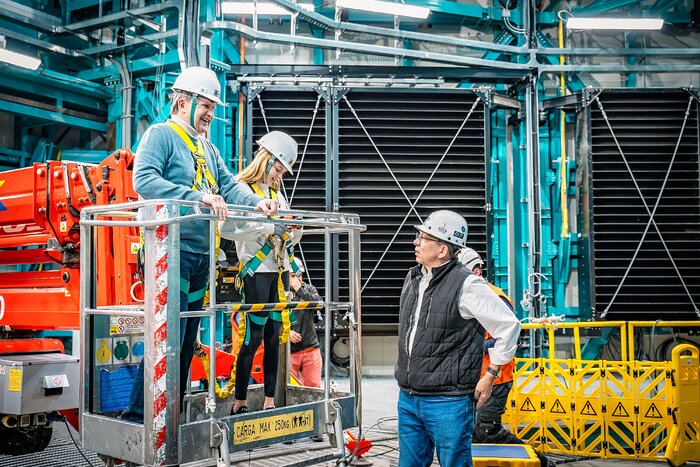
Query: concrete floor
point(379, 426)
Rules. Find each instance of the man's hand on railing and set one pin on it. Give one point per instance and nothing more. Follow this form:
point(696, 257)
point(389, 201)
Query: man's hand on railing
point(268, 206)
point(218, 205)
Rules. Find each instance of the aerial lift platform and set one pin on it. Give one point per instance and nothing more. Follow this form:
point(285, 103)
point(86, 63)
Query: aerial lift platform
point(204, 433)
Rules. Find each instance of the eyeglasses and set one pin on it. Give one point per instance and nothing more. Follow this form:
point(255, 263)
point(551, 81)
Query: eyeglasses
point(421, 240)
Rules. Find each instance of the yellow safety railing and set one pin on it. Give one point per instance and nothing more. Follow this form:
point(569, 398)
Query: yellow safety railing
point(684, 440)
point(607, 409)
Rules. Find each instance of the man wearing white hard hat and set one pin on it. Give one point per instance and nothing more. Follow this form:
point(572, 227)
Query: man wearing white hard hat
point(175, 160)
point(444, 312)
point(488, 426)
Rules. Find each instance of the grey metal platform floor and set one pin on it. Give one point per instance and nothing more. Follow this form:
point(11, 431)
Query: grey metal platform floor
point(379, 421)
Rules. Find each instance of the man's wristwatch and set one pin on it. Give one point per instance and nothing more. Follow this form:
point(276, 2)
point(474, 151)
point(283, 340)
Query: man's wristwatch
point(493, 372)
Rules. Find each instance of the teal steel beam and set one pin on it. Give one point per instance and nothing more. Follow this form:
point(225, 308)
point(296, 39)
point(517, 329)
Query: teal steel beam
point(31, 16)
point(35, 42)
point(573, 82)
point(318, 53)
point(504, 38)
point(54, 116)
point(157, 9)
point(520, 216)
point(631, 39)
point(71, 82)
point(602, 6)
point(43, 88)
point(663, 5)
point(610, 52)
point(234, 28)
point(499, 191)
point(550, 213)
point(479, 12)
point(559, 248)
point(151, 39)
point(169, 61)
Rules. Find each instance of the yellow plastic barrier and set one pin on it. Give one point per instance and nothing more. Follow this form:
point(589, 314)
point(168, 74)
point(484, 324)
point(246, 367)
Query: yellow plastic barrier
point(504, 455)
point(684, 440)
point(609, 409)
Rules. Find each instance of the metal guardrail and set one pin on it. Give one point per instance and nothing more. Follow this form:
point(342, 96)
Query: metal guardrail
point(166, 437)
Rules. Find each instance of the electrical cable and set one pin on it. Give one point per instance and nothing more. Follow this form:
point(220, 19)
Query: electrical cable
point(665, 350)
point(513, 28)
point(76, 444)
point(391, 449)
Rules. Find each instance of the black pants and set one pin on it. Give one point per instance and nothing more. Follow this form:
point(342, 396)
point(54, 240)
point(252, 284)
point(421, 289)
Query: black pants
point(261, 287)
point(488, 426)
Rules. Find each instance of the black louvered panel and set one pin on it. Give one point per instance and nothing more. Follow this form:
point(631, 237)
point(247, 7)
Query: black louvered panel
point(292, 111)
point(647, 125)
point(412, 129)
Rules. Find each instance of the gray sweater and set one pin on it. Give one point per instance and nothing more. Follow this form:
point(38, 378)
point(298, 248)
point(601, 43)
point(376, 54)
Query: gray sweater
point(164, 168)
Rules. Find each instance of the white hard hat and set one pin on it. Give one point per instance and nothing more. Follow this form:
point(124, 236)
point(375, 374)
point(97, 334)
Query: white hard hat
point(447, 226)
point(470, 258)
point(200, 81)
point(282, 147)
point(300, 265)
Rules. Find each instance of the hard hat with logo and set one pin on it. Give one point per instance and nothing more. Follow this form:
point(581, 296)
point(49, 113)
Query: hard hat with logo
point(447, 226)
point(300, 265)
point(201, 82)
point(470, 258)
point(282, 147)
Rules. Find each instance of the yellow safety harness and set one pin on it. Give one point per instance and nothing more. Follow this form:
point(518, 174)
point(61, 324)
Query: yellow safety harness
point(252, 265)
point(203, 181)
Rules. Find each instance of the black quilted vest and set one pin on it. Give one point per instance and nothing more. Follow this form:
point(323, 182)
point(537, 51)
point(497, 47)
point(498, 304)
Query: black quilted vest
point(447, 350)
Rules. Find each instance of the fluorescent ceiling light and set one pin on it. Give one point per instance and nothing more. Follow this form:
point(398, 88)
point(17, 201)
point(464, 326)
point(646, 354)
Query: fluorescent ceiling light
point(14, 58)
point(389, 8)
point(649, 24)
point(264, 8)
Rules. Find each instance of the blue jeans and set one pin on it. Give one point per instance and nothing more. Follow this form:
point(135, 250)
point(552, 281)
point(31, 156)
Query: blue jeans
point(430, 423)
point(194, 278)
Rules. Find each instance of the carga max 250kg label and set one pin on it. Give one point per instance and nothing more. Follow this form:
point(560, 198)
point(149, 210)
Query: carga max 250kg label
point(248, 431)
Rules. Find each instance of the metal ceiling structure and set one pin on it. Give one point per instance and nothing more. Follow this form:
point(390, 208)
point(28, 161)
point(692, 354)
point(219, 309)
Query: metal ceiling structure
point(106, 68)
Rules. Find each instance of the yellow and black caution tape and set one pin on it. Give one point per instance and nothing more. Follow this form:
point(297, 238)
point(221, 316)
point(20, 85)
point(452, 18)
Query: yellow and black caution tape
point(253, 307)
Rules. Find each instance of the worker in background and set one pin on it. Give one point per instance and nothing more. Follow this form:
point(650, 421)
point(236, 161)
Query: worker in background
point(266, 253)
point(175, 160)
point(305, 356)
point(306, 353)
point(443, 312)
point(488, 427)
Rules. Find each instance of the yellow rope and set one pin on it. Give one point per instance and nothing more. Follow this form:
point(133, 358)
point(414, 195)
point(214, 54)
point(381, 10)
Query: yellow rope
point(286, 324)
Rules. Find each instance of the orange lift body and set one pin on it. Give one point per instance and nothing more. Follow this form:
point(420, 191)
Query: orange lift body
point(40, 284)
point(40, 281)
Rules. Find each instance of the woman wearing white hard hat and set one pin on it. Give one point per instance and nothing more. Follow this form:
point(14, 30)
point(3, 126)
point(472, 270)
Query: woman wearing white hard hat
point(266, 252)
point(175, 160)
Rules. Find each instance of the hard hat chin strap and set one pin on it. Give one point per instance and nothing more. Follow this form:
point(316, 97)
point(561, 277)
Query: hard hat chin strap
point(270, 164)
point(192, 109)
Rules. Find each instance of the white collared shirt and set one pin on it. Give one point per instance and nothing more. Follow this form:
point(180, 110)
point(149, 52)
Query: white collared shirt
point(478, 301)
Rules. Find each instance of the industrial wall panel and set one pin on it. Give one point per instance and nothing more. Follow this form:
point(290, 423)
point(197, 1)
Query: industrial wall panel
point(292, 110)
point(645, 270)
point(378, 171)
point(387, 166)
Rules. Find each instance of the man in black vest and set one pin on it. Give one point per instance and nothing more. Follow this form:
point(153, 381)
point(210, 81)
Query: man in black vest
point(444, 312)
